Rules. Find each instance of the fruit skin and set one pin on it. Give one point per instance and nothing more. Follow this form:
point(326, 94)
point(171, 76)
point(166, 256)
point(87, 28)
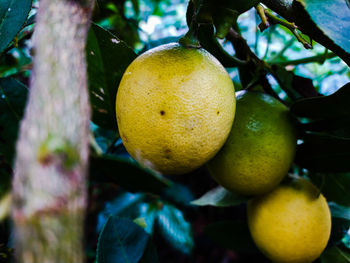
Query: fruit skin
point(260, 148)
point(175, 107)
point(291, 224)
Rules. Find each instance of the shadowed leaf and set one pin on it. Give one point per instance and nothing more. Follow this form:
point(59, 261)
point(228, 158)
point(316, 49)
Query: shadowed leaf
point(122, 241)
point(233, 235)
point(13, 15)
point(219, 197)
point(107, 59)
point(126, 173)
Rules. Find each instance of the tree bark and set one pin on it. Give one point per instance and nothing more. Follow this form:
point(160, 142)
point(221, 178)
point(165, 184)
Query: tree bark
point(49, 188)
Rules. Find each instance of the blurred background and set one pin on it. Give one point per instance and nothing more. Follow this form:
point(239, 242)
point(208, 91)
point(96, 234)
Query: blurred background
point(181, 232)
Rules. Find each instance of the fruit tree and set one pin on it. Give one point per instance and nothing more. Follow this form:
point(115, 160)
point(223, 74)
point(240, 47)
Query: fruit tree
point(197, 131)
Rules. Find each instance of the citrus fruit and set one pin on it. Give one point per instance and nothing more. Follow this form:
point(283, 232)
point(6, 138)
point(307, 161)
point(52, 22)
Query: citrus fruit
point(175, 107)
point(292, 223)
point(260, 147)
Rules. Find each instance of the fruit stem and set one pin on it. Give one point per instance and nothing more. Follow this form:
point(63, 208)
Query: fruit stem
point(190, 39)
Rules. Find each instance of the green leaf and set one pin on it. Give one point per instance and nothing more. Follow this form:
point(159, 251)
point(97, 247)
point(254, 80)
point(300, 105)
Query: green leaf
point(126, 173)
point(224, 19)
point(295, 86)
point(233, 235)
point(121, 240)
point(220, 197)
point(175, 229)
point(332, 17)
point(150, 255)
point(340, 223)
point(335, 187)
point(13, 96)
point(240, 6)
point(335, 255)
point(178, 194)
point(126, 205)
point(332, 106)
point(5, 205)
point(149, 212)
point(5, 177)
point(338, 211)
point(13, 15)
point(107, 59)
point(209, 42)
point(324, 153)
point(136, 6)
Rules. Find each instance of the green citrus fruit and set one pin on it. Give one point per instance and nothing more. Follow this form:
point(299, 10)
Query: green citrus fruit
point(260, 148)
point(175, 107)
point(292, 223)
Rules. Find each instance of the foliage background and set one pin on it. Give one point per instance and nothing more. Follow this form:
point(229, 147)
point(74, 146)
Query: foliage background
point(154, 214)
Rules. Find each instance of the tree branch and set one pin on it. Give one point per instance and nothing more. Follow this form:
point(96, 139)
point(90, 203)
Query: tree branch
point(49, 191)
point(293, 11)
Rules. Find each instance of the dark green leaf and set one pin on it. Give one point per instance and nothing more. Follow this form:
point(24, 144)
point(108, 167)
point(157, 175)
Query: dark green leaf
point(149, 212)
point(337, 126)
point(150, 255)
point(136, 6)
point(240, 6)
point(121, 240)
point(335, 187)
point(335, 255)
point(332, 106)
point(107, 59)
point(127, 173)
point(5, 177)
point(175, 229)
point(209, 42)
point(219, 197)
point(332, 17)
point(13, 15)
point(126, 205)
point(339, 231)
point(233, 235)
point(324, 153)
point(224, 18)
point(178, 194)
point(295, 86)
point(338, 211)
point(13, 96)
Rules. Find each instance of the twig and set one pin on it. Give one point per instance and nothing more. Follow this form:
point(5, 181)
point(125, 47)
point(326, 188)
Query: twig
point(320, 58)
point(290, 25)
point(264, 21)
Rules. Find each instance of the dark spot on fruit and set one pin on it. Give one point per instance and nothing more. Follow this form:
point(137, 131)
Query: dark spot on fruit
point(124, 138)
point(162, 112)
point(218, 112)
point(167, 153)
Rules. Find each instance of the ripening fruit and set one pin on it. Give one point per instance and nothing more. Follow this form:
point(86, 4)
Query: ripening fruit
point(292, 223)
point(175, 107)
point(260, 148)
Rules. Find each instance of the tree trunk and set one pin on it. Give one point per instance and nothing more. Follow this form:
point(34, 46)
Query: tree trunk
point(49, 188)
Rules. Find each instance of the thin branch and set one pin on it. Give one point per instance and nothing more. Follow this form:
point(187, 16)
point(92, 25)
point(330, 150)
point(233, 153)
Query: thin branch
point(290, 25)
point(318, 59)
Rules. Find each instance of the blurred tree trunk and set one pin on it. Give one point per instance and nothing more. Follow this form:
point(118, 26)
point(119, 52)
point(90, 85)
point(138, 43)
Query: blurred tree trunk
point(49, 188)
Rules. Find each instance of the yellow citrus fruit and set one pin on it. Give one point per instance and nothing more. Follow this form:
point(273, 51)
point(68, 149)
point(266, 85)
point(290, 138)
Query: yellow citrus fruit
point(260, 148)
point(292, 223)
point(175, 107)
